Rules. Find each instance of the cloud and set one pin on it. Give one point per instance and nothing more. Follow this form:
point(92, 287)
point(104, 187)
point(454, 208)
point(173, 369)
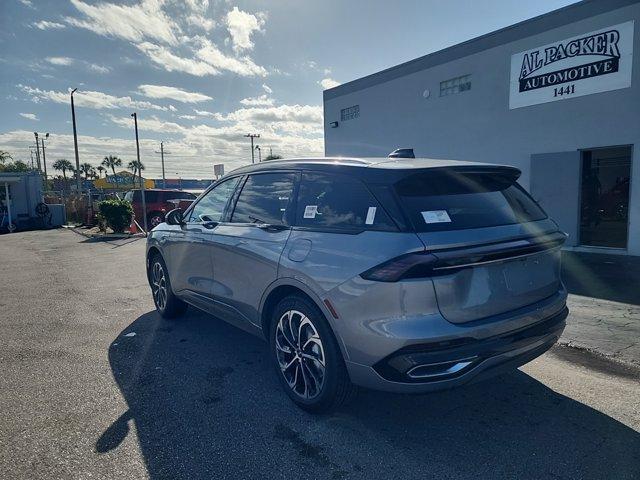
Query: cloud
point(30, 116)
point(243, 66)
point(149, 124)
point(60, 60)
point(187, 117)
point(241, 26)
point(203, 113)
point(296, 119)
point(261, 101)
point(130, 22)
point(163, 57)
point(98, 68)
point(174, 93)
point(168, 40)
point(46, 25)
point(172, 108)
point(327, 83)
point(27, 3)
point(88, 99)
point(267, 88)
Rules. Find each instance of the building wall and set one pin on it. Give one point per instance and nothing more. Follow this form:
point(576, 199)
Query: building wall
point(478, 125)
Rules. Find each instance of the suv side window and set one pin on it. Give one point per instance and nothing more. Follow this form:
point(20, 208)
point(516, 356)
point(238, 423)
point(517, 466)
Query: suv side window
point(210, 207)
point(264, 198)
point(338, 202)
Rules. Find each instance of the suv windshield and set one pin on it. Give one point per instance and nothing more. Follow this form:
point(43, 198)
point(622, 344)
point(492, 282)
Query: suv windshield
point(450, 200)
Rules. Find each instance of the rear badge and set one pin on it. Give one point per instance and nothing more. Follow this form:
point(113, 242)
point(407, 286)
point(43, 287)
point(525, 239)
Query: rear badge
point(436, 216)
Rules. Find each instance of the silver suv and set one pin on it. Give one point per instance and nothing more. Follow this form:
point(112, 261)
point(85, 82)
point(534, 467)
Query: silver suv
point(406, 275)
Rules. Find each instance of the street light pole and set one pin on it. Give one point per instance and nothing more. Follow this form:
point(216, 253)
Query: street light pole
point(259, 153)
point(144, 202)
point(75, 142)
point(252, 136)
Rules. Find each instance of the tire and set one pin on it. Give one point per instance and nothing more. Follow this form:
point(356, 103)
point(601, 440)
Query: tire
point(154, 219)
point(309, 363)
point(167, 304)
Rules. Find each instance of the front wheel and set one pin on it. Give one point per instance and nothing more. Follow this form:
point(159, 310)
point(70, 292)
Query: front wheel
point(307, 358)
point(167, 304)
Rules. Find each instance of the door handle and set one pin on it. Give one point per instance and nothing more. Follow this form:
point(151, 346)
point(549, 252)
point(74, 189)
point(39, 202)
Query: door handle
point(210, 225)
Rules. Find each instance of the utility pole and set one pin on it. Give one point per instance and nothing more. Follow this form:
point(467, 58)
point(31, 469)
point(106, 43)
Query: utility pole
point(44, 159)
point(38, 151)
point(144, 202)
point(75, 143)
point(252, 136)
point(162, 153)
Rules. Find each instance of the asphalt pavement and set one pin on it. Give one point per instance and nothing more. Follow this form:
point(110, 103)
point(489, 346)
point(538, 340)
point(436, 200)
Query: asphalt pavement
point(94, 384)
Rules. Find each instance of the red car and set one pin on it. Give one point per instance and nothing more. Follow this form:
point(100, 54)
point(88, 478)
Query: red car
point(158, 202)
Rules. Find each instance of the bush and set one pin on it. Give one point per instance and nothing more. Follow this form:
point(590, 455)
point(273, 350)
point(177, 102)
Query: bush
point(116, 214)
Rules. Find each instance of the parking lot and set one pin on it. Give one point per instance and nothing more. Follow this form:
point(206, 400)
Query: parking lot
point(95, 384)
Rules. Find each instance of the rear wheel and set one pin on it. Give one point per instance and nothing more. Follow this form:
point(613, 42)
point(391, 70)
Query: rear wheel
point(307, 358)
point(167, 304)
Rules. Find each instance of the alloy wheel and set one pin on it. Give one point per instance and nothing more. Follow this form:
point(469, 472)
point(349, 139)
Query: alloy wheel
point(159, 285)
point(300, 354)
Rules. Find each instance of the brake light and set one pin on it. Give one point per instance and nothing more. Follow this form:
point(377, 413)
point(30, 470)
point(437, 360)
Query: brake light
point(411, 265)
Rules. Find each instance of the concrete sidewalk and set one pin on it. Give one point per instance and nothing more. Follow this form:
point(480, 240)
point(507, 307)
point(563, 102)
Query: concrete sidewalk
point(604, 303)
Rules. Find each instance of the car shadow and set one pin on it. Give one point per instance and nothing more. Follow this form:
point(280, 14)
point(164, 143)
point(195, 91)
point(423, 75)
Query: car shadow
point(607, 277)
point(206, 404)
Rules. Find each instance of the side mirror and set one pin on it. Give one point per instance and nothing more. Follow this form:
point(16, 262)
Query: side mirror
point(174, 217)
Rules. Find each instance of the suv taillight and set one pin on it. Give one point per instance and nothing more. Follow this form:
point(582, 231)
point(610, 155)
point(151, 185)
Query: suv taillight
point(411, 265)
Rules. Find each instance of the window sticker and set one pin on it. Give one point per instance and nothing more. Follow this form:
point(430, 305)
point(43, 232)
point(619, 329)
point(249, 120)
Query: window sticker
point(310, 211)
point(436, 216)
point(371, 215)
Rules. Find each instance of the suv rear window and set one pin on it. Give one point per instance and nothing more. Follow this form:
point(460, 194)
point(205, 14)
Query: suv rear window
point(453, 200)
point(339, 202)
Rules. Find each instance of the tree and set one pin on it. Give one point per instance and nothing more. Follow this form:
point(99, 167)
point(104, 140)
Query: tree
point(17, 166)
point(87, 170)
point(273, 157)
point(64, 166)
point(112, 162)
point(136, 166)
point(100, 170)
point(4, 156)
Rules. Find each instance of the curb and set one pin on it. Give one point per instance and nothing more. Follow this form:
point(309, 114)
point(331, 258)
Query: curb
point(106, 236)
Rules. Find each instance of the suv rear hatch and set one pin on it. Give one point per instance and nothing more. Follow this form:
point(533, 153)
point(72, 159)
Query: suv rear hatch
point(493, 249)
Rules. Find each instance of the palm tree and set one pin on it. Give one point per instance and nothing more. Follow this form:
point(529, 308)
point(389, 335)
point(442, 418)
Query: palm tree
point(100, 170)
point(136, 166)
point(64, 166)
point(86, 168)
point(112, 162)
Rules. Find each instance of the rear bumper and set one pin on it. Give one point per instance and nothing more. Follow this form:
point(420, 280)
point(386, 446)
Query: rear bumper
point(434, 366)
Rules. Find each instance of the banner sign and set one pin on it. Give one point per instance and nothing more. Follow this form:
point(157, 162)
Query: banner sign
point(591, 63)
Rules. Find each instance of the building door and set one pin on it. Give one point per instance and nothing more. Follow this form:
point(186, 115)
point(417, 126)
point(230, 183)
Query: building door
point(604, 200)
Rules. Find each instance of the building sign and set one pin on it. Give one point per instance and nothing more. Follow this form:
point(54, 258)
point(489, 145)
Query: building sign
point(591, 63)
point(121, 181)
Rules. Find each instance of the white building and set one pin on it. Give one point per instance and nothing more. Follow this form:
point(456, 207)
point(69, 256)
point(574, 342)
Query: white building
point(557, 96)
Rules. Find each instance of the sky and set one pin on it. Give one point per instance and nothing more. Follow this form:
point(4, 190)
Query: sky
point(203, 73)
